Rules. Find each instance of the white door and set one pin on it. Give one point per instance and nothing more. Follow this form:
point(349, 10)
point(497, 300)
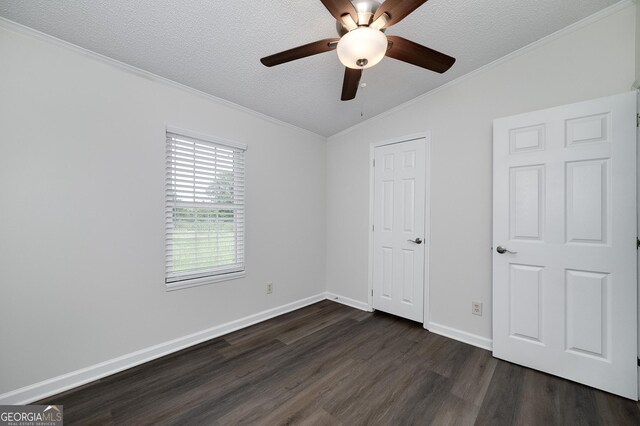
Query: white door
point(564, 235)
point(399, 229)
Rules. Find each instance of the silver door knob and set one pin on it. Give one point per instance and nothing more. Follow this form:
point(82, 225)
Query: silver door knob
point(416, 241)
point(503, 250)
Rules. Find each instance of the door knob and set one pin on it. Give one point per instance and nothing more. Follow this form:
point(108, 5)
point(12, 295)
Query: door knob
point(416, 241)
point(503, 250)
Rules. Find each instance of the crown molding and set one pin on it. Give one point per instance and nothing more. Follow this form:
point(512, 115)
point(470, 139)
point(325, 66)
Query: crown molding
point(17, 28)
point(615, 8)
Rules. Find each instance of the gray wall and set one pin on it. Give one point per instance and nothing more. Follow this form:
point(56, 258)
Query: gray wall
point(593, 61)
point(82, 159)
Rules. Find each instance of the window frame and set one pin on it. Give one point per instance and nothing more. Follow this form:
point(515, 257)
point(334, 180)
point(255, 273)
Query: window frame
point(210, 277)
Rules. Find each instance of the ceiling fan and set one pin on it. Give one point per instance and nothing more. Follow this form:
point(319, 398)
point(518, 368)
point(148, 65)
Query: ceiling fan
point(363, 43)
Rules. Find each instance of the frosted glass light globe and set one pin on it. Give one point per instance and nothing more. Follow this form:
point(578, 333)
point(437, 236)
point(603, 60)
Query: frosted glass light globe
point(362, 48)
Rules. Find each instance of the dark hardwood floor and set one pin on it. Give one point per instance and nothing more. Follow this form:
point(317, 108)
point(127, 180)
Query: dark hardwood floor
point(330, 364)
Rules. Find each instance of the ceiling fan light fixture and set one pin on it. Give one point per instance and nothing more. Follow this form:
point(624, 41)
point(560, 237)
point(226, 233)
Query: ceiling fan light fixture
point(362, 48)
point(363, 43)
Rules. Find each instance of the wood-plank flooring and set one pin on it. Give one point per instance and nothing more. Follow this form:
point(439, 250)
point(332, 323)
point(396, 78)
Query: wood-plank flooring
point(328, 364)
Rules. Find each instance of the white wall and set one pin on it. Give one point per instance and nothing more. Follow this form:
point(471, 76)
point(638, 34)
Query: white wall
point(82, 151)
point(592, 61)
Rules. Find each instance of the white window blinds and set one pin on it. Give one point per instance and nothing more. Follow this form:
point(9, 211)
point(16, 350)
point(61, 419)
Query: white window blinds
point(204, 208)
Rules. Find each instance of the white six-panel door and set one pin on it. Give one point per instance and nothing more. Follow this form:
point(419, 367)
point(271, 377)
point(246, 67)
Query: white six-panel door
point(399, 229)
point(565, 284)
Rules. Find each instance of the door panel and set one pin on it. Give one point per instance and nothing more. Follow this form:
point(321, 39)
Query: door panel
point(527, 202)
point(525, 304)
point(587, 307)
point(565, 294)
point(587, 201)
point(399, 217)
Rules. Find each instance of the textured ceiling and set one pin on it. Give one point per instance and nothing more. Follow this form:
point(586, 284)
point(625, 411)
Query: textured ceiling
point(215, 46)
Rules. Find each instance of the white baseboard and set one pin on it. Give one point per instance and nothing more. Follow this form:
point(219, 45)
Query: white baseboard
point(349, 302)
point(80, 377)
point(89, 374)
point(462, 336)
point(453, 333)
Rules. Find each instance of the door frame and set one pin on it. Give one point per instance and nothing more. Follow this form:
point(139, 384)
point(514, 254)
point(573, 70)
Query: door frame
point(427, 214)
point(638, 220)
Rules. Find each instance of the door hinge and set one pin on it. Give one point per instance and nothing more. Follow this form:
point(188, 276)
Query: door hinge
point(374, 161)
point(637, 243)
point(372, 292)
point(637, 120)
point(373, 228)
point(638, 362)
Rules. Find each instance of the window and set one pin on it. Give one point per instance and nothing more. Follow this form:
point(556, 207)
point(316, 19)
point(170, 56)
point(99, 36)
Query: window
point(204, 210)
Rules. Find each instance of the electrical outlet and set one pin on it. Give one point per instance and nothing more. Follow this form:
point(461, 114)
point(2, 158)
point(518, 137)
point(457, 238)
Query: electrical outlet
point(269, 287)
point(476, 308)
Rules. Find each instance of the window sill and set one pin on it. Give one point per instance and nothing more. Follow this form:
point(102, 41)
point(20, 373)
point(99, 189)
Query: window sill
point(197, 282)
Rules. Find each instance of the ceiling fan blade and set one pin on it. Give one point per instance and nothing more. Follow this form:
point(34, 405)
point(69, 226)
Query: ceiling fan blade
point(338, 8)
point(416, 54)
point(397, 10)
point(350, 84)
point(299, 52)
